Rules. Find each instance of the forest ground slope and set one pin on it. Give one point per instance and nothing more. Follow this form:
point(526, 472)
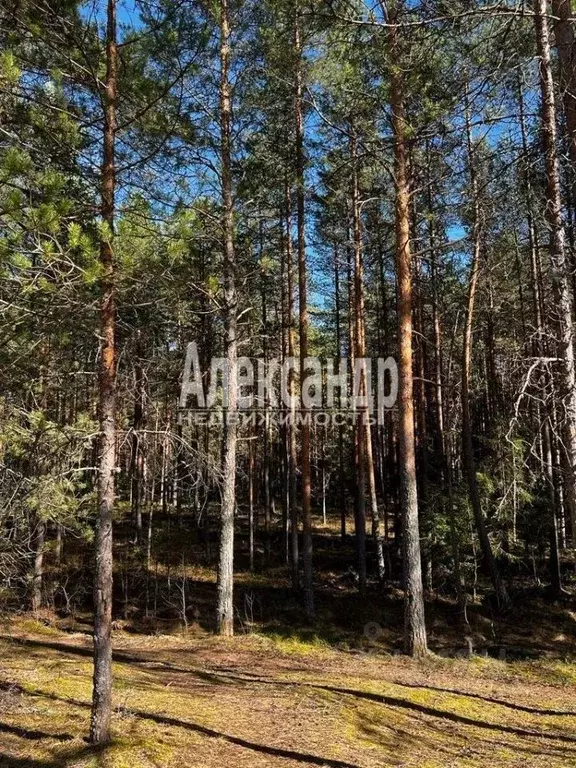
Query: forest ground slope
point(199, 701)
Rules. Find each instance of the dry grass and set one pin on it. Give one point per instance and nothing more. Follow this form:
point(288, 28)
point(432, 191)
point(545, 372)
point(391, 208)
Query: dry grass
point(254, 701)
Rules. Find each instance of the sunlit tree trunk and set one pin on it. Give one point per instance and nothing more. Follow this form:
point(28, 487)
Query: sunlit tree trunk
point(559, 266)
point(566, 46)
point(39, 540)
point(137, 462)
point(292, 446)
point(102, 688)
point(358, 338)
point(225, 581)
point(415, 642)
point(467, 444)
point(251, 502)
point(303, 320)
point(342, 480)
point(543, 411)
point(364, 432)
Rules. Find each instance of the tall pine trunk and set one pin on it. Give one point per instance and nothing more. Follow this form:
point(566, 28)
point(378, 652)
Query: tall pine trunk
point(137, 458)
point(39, 540)
point(341, 473)
point(559, 266)
point(292, 447)
point(359, 352)
point(364, 443)
point(251, 502)
point(538, 348)
point(102, 687)
point(566, 47)
point(415, 642)
point(303, 320)
point(225, 586)
point(467, 444)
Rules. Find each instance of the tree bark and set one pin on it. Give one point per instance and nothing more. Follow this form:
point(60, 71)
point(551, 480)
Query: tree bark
point(137, 452)
point(436, 324)
point(341, 479)
point(102, 685)
point(267, 441)
point(225, 581)
point(359, 352)
point(566, 47)
point(543, 412)
point(559, 267)
point(415, 642)
point(366, 458)
point(59, 544)
point(39, 539)
point(292, 447)
point(386, 459)
point(251, 503)
point(467, 445)
point(421, 420)
point(303, 322)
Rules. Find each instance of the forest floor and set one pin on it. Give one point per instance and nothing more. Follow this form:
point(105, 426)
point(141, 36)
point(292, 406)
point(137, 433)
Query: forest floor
point(194, 700)
point(282, 693)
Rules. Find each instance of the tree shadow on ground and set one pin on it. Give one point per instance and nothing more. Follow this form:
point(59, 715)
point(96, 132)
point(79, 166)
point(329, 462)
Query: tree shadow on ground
point(27, 733)
point(9, 761)
point(265, 749)
point(385, 699)
point(99, 753)
point(490, 700)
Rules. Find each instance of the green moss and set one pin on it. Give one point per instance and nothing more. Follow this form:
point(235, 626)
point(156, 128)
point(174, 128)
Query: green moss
point(302, 644)
point(357, 730)
point(35, 627)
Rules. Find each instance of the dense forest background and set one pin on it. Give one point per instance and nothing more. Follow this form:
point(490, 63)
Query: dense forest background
point(277, 179)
